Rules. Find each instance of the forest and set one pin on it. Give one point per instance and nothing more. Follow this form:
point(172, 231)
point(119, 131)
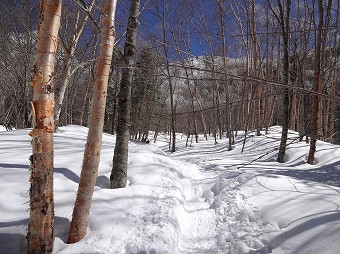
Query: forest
point(176, 75)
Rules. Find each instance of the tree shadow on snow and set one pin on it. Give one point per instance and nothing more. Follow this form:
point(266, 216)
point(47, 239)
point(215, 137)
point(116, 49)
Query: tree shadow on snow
point(7, 165)
point(102, 182)
point(16, 242)
point(303, 228)
point(12, 243)
point(329, 174)
point(68, 174)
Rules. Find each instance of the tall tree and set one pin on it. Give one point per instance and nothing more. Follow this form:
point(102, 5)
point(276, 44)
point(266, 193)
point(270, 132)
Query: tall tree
point(257, 70)
point(225, 78)
point(40, 232)
point(91, 158)
point(170, 81)
point(321, 35)
point(118, 178)
point(284, 18)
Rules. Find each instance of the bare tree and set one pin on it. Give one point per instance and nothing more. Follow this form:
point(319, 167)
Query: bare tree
point(225, 78)
point(170, 81)
point(284, 18)
point(69, 49)
point(118, 178)
point(92, 151)
point(321, 35)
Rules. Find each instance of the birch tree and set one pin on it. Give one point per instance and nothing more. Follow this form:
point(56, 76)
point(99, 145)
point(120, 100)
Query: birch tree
point(40, 232)
point(91, 158)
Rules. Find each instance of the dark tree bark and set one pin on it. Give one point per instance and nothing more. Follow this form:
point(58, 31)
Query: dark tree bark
point(40, 232)
point(228, 106)
point(118, 178)
point(283, 19)
point(321, 35)
point(171, 85)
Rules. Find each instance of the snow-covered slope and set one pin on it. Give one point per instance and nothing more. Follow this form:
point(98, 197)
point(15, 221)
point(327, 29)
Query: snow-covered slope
point(200, 199)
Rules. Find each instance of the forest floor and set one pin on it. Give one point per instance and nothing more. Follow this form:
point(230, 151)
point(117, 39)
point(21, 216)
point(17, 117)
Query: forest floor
point(199, 199)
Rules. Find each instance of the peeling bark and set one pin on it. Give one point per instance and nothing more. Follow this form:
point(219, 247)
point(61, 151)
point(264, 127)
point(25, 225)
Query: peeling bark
point(40, 232)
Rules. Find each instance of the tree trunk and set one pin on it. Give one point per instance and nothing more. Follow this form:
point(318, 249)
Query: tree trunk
point(40, 232)
point(91, 158)
point(318, 76)
point(199, 102)
point(171, 86)
point(284, 22)
point(256, 72)
point(225, 79)
point(315, 99)
point(118, 178)
point(87, 88)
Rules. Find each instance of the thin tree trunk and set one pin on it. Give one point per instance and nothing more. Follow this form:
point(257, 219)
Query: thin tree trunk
point(303, 127)
point(92, 151)
point(216, 102)
point(257, 102)
point(69, 52)
point(225, 80)
point(331, 106)
point(118, 178)
point(192, 94)
point(171, 86)
point(332, 88)
point(213, 124)
point(91, 78)
point(199, 102)
point(40, 231)
point(318, 76)
point(82, 108)
point(315, 99)
point(150, 110)
point(158, 125)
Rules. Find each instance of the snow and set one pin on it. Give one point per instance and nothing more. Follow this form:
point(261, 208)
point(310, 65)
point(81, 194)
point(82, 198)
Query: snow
point(2, 128)
point(200, 199)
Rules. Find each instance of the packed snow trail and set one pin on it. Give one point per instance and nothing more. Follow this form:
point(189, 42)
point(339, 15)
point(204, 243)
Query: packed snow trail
point(239, 227)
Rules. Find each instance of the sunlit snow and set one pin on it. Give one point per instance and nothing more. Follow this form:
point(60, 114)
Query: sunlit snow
point(200, 199)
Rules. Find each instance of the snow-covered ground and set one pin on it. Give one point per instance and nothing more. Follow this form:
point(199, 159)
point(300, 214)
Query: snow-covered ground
point(200, 199)
point(2, 128)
